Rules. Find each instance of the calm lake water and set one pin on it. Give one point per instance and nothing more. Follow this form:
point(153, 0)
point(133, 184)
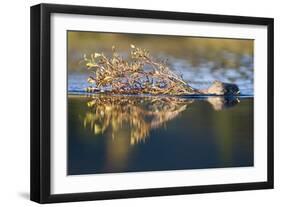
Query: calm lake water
point(112, 134)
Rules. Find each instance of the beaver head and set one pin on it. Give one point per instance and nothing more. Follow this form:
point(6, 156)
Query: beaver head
point(220, 88)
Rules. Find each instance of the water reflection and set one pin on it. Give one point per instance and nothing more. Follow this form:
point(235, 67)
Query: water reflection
point(140, 115)
point(219, 103)
point(114, 134)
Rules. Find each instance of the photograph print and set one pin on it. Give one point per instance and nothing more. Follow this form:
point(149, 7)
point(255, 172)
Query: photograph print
point(146, 102)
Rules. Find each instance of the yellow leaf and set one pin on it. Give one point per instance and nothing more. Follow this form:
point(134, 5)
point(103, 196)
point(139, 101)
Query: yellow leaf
point(133, 46)
point(91, 80)
point(85, 57)
point(107, 78)
point(97, 55)
point(91, 65)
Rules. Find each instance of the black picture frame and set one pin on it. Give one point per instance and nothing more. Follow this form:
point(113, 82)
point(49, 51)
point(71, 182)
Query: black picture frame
point(41, 97)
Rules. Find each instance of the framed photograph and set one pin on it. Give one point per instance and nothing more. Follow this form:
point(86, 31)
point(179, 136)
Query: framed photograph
point(132, 103)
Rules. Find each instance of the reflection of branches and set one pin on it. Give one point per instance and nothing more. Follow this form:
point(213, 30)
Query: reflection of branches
point(137, 115)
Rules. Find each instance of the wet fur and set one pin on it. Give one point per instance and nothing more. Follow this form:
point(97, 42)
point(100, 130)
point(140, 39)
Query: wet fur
point(220, 88)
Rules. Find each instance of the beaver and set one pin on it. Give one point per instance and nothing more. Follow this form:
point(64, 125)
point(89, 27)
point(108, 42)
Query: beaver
point(220, 89)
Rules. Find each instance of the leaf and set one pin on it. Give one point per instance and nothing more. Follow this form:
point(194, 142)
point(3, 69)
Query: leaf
point(91, 65)
point(107, 78)
point(91, 79)
point(85, 57)
point(104, 81)
point(133, 46)
point(97, 55)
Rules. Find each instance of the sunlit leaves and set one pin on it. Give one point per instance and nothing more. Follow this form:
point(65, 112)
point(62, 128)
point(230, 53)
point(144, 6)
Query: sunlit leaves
point(140, 74)
point(97, 55)
point(91, 65)
point(91, 80)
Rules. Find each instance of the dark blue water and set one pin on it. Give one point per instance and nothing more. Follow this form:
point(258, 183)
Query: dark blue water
point(114, 134)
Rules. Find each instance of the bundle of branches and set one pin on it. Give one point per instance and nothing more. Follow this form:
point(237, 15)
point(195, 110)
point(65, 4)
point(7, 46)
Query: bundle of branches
point(141, 74)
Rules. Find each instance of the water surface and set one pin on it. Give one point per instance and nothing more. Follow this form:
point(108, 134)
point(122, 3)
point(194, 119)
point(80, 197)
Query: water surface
point(114, 134)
